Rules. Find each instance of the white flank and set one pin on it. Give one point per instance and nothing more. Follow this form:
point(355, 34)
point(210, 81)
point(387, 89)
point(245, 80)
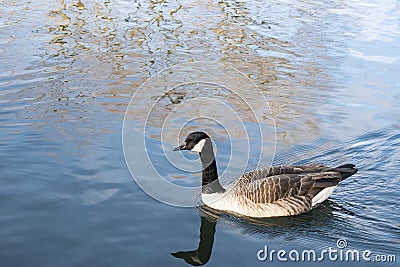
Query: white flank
point(323, 195)
point(212, 199)
point(228, 202)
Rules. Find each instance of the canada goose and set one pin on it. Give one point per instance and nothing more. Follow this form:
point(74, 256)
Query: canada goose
point(265, 192)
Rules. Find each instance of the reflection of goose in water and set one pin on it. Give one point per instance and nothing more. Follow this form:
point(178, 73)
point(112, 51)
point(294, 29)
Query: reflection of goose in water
point(266, 228)
point(202, 254)
point(266, 192)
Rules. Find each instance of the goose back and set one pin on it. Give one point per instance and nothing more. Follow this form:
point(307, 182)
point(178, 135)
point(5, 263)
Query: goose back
point(281, 190)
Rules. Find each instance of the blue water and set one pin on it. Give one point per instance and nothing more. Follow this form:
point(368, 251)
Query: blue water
point(329, 71)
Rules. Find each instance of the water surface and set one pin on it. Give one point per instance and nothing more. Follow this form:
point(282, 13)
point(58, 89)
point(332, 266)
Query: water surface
point(69, 69)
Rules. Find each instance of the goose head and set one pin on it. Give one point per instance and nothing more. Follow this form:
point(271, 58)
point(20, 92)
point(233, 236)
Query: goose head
point(195, 142)
point(201, 143)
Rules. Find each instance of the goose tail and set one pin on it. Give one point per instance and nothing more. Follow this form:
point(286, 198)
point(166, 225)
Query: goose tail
point(346, 170)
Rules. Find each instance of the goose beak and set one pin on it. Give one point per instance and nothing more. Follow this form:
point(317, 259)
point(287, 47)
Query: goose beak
point(181, 147)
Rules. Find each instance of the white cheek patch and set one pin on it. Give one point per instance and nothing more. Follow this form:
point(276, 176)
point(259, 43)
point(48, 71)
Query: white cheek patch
point(199, 146)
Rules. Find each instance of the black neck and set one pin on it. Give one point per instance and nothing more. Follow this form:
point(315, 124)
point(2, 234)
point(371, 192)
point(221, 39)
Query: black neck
point(210, 182)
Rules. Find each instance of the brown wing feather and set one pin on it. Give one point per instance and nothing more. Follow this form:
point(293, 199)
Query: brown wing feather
point(282, 186)
point(277, 170)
